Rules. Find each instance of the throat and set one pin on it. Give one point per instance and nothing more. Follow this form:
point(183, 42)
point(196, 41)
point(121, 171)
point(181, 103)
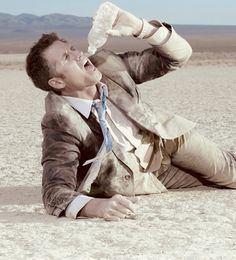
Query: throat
point(90, 93)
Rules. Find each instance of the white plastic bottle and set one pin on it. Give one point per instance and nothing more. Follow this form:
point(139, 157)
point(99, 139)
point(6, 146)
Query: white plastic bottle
point(103, 21)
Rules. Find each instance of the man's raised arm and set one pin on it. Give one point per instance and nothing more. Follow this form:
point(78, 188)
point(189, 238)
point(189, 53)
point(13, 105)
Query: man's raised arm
point(169, 50)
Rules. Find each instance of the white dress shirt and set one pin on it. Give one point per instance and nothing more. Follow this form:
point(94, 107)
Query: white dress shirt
point(122, 130)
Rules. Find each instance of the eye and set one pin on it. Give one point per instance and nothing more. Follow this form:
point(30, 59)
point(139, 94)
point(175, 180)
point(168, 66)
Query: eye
point(72, 48)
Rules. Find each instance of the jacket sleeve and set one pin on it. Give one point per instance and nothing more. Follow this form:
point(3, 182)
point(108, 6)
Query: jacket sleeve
point(60, 160)
point(158, 60)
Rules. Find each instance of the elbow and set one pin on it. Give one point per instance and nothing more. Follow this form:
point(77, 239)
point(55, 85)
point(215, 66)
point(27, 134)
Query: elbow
point(183, 56)
point(178, 50)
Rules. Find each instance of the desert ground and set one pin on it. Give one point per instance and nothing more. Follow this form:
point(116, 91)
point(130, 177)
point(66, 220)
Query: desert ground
point(191, 224)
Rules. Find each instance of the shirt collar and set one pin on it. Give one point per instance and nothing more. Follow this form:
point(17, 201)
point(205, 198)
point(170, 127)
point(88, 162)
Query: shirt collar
point(82, 105)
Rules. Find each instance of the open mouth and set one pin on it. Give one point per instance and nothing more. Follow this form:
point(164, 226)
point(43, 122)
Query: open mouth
point(88, 65)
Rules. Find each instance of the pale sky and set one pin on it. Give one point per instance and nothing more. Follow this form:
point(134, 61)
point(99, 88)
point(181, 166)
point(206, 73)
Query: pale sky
point(209, 12)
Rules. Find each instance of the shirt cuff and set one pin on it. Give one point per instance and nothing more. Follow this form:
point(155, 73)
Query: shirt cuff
point(155, 37)
point(76, 205)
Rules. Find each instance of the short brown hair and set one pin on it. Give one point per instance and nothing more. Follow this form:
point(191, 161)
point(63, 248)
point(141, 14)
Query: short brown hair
point(37, 67)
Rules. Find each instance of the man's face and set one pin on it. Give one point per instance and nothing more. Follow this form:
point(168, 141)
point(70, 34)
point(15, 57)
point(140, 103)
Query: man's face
point(71, 67)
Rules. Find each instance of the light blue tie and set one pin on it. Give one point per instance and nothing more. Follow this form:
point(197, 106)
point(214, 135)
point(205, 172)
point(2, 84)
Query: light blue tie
point(101, 110)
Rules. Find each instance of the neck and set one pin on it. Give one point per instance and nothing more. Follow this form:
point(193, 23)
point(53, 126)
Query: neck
point(90, 93)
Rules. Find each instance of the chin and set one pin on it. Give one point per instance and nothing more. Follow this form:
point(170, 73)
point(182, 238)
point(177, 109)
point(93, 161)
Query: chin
point(93, 78)
point(97, 76)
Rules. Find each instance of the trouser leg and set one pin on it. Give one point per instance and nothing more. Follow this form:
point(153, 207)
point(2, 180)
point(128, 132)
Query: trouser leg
point(194, 154)
point(175, 178)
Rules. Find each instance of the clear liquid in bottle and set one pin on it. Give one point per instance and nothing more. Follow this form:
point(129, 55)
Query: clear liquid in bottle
point(103, 21)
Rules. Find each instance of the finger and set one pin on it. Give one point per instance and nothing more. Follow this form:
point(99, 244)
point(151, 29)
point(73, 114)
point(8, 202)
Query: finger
point(119, 214)
point(133, 199)
point(126, 203)
point(113, 33)
point(127, 213)
point(124, 210)
point(112, 218)
point(114, 215)
point(131, 216)
point(116, 218)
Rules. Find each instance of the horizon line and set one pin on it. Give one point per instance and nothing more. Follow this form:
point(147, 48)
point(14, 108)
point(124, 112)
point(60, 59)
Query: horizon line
point(193, 24)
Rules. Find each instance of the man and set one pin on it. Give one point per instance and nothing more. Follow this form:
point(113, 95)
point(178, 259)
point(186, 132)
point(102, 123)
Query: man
point(101, 144)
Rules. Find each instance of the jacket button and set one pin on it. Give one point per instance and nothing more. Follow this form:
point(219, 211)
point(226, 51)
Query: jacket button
point(127, 177)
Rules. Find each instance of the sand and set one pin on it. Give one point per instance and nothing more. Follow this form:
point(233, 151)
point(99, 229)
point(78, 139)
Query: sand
point(195, 223)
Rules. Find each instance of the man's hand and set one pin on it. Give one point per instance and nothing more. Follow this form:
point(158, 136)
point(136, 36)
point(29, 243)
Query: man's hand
point(115, 208)
point(126, 24)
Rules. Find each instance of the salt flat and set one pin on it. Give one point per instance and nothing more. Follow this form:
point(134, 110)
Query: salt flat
point(184, 224)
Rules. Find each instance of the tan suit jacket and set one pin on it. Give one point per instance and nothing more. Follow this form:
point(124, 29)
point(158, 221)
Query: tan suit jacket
point(70, 139)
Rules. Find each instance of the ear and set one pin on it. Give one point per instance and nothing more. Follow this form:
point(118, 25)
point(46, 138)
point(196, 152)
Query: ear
point(56, 83)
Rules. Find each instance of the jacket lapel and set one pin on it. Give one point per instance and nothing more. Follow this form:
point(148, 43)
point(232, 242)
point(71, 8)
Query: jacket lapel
point(92, 123)
point(59, 105)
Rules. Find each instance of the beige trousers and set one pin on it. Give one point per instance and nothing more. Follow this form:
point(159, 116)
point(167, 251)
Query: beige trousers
point(192, 160)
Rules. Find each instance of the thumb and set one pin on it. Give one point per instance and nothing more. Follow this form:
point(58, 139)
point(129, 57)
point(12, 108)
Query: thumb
point(113, 33)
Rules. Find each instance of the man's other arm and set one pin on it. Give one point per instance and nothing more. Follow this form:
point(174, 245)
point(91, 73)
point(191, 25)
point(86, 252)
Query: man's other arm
point(60, 160)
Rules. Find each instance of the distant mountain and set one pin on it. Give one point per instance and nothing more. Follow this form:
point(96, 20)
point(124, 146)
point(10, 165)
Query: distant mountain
point(28, 25)
point(25, 26)
point(18, 32)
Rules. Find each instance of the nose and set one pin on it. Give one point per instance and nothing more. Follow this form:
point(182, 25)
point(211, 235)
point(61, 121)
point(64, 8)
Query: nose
point(77, 55)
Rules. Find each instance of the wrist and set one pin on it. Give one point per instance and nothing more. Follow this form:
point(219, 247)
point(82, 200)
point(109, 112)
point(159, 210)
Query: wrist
point(86, 210)
point(146, 30)
point(91, 209)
